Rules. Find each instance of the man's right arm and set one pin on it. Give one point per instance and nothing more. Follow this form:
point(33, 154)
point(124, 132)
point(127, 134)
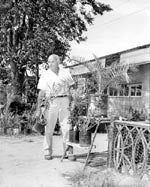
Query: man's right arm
point(41, 87)
point(40, 98)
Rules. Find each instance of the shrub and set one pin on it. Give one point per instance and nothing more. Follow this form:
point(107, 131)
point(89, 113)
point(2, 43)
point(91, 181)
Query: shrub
point(106, 178)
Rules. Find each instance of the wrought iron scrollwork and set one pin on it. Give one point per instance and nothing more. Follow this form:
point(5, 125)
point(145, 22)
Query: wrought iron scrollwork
point(131, 148)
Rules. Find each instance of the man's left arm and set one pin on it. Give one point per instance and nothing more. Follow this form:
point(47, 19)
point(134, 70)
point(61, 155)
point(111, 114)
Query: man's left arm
point(71, 84)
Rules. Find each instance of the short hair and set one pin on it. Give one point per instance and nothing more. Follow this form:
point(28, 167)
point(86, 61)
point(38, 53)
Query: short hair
point(53, 56)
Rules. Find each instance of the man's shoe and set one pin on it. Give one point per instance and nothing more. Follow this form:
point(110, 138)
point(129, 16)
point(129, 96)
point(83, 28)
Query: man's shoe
point(48, 157)
point(68, 154)
point(72, 157)
point(65, 157)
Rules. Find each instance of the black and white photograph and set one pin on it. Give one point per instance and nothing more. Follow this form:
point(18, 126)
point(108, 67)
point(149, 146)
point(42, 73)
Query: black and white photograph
point(74, 93)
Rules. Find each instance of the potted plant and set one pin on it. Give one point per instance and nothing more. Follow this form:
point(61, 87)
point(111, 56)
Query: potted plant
point(85, 134)
point(79, 108)
point(28, 120)
point(79, 122)
point(105, 76)
point(12, 122)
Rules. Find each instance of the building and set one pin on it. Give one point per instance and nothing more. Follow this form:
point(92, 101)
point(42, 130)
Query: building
point(132, 96)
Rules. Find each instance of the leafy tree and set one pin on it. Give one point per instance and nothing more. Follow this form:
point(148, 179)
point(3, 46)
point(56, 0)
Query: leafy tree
point(31, 30)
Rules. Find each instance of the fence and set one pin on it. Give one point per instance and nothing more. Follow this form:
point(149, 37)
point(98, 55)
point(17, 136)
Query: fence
point(129, 147)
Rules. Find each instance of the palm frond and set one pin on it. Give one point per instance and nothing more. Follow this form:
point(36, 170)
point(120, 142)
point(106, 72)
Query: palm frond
point(134, 68)
point(113, 75)
point(95, 68)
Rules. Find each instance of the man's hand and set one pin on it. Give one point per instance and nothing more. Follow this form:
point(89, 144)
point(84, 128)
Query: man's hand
point(38, 113)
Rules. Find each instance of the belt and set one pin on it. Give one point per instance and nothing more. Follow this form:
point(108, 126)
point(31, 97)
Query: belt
point(61, 96)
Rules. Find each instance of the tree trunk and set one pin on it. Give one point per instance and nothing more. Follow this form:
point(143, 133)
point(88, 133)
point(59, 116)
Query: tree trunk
point(17, 80)
point(15, 95)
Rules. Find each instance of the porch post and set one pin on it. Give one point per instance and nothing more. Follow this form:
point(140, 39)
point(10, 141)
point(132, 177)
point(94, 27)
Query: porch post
point(110, 145)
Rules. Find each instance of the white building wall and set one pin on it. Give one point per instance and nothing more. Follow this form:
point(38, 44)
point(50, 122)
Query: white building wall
point(139, 56)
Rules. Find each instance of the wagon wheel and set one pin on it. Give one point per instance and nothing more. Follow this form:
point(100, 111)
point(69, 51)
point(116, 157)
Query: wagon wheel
point(118, 150)
point(123, 152)
point(148, 160)
point(140, 156)
point(127, 152)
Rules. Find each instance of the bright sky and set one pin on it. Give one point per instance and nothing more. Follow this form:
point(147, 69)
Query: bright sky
point(127, 26)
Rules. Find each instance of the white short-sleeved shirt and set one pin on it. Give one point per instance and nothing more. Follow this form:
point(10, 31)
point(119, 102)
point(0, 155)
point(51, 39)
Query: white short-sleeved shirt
point(53, 84)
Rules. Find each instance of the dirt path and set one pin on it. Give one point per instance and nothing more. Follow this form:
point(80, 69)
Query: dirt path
point(22, 163)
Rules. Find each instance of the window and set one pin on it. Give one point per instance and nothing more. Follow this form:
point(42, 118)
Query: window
point(139, 90)
point(113, 91)
point(106, 91)
point(136, 90)
point(126, 90)
point(133, 91)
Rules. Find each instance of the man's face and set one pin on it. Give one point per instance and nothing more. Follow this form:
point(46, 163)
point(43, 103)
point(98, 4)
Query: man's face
point(53, 64)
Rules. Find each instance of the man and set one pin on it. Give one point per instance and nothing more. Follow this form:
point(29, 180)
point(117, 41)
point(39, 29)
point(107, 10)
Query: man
point(54, 86)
